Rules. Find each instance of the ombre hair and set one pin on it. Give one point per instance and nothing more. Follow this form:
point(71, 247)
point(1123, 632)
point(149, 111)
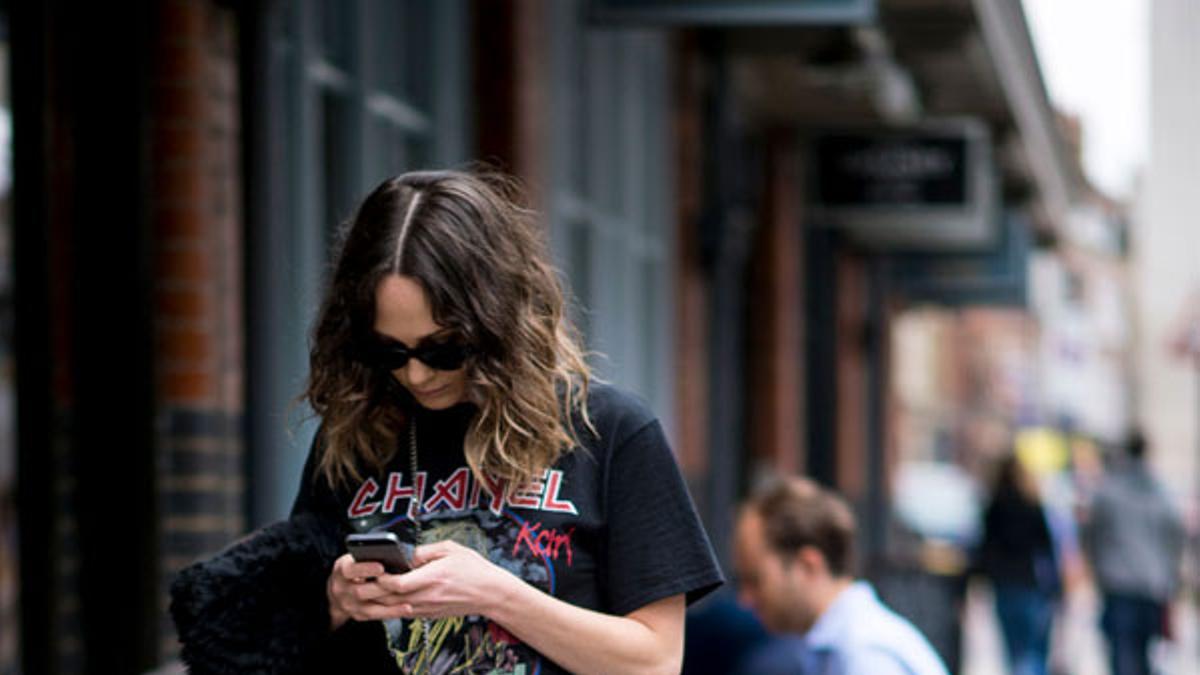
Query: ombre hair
point(481, 259)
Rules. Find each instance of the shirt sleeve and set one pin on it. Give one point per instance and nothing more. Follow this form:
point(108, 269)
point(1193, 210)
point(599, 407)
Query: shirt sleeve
point(868, 661)
point(656, 545)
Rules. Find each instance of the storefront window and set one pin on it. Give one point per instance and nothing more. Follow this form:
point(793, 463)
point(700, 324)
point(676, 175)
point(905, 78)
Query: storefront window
point(357, 92)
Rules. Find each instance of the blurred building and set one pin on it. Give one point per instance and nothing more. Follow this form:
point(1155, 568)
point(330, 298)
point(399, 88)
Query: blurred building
point(744, 196)
point(1166, 244)
point(1083, 299)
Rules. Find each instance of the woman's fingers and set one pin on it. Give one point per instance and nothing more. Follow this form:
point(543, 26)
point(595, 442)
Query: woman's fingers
point(369, 601)
point(368, 591)
point(374, 593)
point(378, 612)
point(430, 552)
point(409, 582)
point(355, 590)
point(449, 580)
point(350, 570)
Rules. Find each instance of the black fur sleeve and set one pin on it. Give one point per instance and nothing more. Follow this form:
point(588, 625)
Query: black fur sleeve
point(260, 605)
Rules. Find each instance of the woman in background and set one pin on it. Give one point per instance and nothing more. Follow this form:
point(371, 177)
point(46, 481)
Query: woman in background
point(1018, 556)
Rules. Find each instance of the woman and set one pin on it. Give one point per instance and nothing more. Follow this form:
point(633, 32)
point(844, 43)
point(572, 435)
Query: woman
point(1018, 556)
point(552, 528)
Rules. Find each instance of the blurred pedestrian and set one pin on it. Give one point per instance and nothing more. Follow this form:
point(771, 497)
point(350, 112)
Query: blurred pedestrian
point(794, 554)
point(725, 638)
point(1134, 539)
point(1018, 557)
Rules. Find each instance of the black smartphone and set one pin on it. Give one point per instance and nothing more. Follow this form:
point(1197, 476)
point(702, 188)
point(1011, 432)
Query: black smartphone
point(381, 547)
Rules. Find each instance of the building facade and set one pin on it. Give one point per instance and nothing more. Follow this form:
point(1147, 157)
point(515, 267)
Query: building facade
point(181, 167)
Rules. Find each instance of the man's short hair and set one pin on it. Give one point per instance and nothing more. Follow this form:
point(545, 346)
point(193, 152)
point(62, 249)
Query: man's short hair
point(797, 512)
point(1135, 444)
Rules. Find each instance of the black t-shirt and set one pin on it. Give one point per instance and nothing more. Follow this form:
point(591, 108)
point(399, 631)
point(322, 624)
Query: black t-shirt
point(1017, 548)
point(609, 527)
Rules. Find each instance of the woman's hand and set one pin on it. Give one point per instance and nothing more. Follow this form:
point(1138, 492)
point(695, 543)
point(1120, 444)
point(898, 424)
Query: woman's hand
point(449, 580)
point(355, 592)
point(453, 580)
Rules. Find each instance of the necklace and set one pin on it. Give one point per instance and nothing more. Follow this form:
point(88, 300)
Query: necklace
point(418, 532)
point(412, 465)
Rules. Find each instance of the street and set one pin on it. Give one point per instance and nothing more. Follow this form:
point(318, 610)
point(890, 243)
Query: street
point(1077, 644)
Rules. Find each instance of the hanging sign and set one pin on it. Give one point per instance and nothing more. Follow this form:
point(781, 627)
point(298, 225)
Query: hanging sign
point(734, 12)
point(930, 188)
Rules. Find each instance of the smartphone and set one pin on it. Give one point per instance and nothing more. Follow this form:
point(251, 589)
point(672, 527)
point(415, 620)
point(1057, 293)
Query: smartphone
point(381, 547)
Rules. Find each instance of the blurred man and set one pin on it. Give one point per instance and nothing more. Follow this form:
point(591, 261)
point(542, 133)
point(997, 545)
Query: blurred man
point(794, 552)
point(1134, 539)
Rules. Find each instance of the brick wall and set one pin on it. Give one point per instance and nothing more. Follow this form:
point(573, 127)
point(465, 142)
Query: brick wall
point(690, 341)
point(852, 373)
point(197, 216)
point(509, 89)
point(775, 356)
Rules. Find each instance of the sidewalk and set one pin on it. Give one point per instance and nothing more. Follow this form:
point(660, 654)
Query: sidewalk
point(1078, 647)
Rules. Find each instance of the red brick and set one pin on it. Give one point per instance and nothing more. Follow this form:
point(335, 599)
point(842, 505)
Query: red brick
point(181, 220)
point(188, 387)
point(178, 241)
point(180, 144)
point(184, 344)
point(221, 78)
point(183, 303)
point(185, 265)
point(186, 183)
point(180, 61)
point(222, 34)
point(182, 19)
point(223, 117)
point(181, 99)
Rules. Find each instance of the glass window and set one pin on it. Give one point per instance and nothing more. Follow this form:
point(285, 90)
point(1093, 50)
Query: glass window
point(580, 276)
point(387, 45)
point(401, 58)
point(394, 150)
point(418, 51)
point(389, 155)
point(363, 90)
point(652, 310)
point(334, 24)
point(336, 157)
point(610, 187)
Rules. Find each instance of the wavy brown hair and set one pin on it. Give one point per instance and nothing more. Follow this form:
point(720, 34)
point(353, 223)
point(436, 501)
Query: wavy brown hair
point(481, 259)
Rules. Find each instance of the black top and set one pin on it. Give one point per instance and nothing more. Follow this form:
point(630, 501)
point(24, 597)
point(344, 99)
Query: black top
point(609, 527)
point(1017, 548)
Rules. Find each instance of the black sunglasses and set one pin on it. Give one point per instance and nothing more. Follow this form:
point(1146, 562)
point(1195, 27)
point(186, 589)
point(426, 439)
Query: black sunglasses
point(444, 355)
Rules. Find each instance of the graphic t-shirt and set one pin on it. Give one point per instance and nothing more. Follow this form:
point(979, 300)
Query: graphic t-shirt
point(609, 527)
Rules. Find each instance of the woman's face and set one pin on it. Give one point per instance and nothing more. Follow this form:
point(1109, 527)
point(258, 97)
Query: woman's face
point(402, 314)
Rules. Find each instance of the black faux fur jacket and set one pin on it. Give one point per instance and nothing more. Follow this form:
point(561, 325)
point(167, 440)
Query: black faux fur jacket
point(260, 606)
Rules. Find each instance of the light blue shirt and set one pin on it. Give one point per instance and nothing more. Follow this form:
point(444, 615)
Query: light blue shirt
point(859, 635)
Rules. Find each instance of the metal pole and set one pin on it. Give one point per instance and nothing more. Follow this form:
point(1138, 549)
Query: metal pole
point(877, 506)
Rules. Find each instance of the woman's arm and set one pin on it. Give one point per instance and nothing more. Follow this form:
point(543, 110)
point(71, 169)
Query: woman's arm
point(647, 640)
point(452, 580)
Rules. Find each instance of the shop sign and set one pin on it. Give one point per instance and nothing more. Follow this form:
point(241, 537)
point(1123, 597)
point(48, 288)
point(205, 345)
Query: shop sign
point(997, 276)
point(734, 12)
point(931, 188)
